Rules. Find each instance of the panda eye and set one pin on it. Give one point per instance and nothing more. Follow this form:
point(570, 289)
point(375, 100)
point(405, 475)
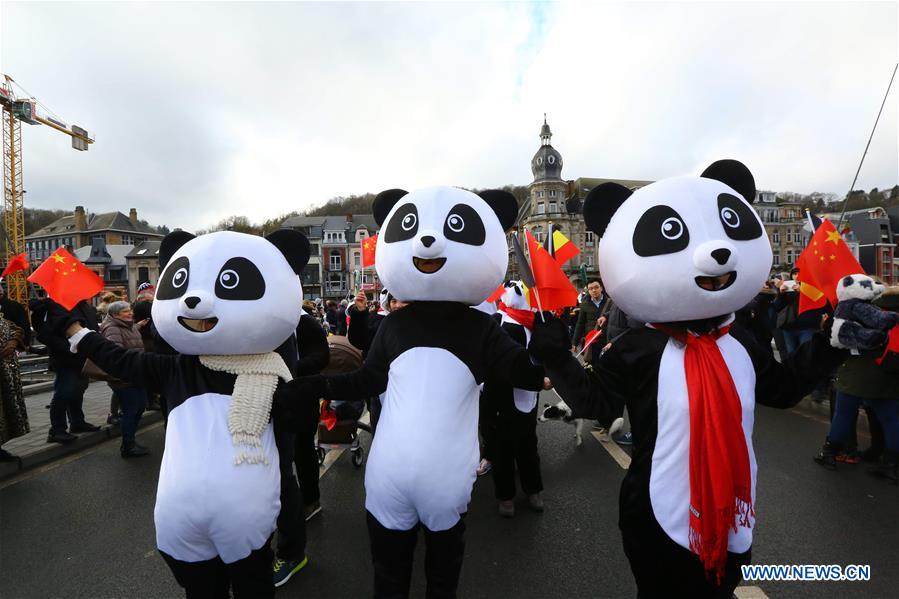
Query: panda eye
point(672, 228)
point(659, 231)
point(239, 279)
point(455, 223)
point(739, 219)
point(180, 278)
point(229, 279)
point(463, 225)
point(174, 279)
point(730, 218)
point(402, 225)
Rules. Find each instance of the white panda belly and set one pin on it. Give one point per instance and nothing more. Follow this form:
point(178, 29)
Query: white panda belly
point(205, 504)
point(424, 456)
point(669, 482)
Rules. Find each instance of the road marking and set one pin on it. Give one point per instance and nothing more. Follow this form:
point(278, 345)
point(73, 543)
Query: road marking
point(618, 454)
point(749, 593)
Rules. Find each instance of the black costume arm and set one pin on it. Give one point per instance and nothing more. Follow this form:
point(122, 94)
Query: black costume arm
point(784, 384)
point(508, 362)
point(313, 347)
point(368, 381)
point(357, 332)
point(579, 327)
point(591, 393)
point(140, 368)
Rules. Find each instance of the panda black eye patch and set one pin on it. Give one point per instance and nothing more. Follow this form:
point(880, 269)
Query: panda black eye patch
point(239, 279)
point(403, 224)
point(174, 279)
point(660, 230)
point(464, 225)
point(739, 220)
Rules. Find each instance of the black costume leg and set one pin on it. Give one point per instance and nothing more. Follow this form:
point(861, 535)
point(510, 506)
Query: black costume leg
point(392, 554)
point(526, 455)
point(662, 568)
point(201, 580)
point(305, 456)
point(291, 522)
point(443, 560)
point(502, 456)
point(251, 577)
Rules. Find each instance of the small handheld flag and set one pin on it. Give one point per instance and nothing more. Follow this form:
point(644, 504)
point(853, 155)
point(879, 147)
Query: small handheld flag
point(66, 280)
point(369, 245)
point(16, 263)
point(824, 262)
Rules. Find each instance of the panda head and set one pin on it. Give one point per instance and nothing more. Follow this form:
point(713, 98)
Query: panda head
point(229, 293)
point(860, 287)
point(514, 295)
point(443, 243)
point(685, 248)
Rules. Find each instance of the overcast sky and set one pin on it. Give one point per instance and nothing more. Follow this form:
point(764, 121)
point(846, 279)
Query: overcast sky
point(205, 110)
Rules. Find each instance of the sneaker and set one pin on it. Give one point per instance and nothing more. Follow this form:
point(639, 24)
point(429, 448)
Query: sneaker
point(282, 571)
point(62, 437)
point(598, 427)
point(507, 508)
point(625, 439)
point(84, 427)
point(849, 457)
point(312, 509)
point(5, 456)
point(112, 419)
point(484, 467)
point(535, 502)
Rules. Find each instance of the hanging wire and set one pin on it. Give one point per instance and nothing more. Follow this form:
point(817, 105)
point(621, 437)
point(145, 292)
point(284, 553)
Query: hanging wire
point(38, 102)
point(870, 137)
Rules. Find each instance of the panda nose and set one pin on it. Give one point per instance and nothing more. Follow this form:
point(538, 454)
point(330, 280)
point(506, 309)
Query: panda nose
point(428, 240)
point(721, 256)
point(192, 301)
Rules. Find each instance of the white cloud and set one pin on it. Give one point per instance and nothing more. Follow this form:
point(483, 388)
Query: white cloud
point(205, 110)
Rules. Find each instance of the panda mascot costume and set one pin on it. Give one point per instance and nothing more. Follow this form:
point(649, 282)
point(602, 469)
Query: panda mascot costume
point(683, 254)
point(225, 301)
point(512, 415)
point(441, 249)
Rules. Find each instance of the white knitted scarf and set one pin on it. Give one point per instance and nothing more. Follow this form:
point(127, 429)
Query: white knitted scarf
point(251, 401)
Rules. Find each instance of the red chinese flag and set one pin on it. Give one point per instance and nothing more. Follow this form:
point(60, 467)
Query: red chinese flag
point(369, 245)
point(824, 262)
point(494, 297)
point(810, 298)
point(16, 263)
point(327, 415)
point(66, 280)
point(591, 336)
point(553, 289)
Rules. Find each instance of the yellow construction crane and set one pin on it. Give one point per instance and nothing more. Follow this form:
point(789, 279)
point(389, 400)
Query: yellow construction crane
point(19, 108)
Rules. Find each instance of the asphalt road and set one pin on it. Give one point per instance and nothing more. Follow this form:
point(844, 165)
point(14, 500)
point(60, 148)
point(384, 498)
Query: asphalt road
point(83, 527)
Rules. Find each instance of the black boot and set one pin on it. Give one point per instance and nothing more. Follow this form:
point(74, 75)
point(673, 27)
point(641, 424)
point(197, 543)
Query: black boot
point(133, 450)
point(888, 467)
point(828, 455)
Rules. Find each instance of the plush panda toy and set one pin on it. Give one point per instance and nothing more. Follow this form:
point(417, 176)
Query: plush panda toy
point(442, 249)
point(857, 324)
point(225, 301)
point(684, 254)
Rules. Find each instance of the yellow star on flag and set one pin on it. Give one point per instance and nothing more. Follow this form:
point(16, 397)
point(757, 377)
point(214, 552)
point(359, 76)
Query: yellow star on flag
point(833, 257)
point(59, 258)
point(834, 237)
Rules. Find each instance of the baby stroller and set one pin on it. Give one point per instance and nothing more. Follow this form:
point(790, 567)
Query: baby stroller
point(344, 357)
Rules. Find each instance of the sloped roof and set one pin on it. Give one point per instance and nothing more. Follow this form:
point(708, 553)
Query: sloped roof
point(96, 222)
point(303, 221)
point(117, 252)
point(583, 185)
point(147, 249)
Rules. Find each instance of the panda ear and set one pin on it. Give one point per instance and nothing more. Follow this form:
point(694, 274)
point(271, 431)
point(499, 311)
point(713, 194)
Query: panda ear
point(601, 204)
point(735, 175)
point(293, 245)
point(384, 201)
point(170, 244)
point(504, 205)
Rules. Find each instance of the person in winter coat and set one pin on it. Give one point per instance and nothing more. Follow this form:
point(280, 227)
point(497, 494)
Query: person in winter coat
point(591, 312)
point(119, 327)
point(860, 381)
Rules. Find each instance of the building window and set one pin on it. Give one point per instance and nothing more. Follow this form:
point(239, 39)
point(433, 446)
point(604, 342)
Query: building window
point(357, 263)
point(589, 260)
point(541, 208)
point(775, 237)
point(552, 193)
point(334, 261)
point(539, 194)
point(588, 238)
point(553, 207)
point(776, 259)
point(143, 274)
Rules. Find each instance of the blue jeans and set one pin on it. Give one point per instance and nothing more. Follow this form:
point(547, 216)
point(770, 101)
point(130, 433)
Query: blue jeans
point(793, 339)
point(132, 400)
point(68, 395)
point(846, 411)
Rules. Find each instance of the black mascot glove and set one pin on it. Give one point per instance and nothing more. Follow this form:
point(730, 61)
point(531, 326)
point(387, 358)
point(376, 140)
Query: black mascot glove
point(550, 342)
point(290, 401)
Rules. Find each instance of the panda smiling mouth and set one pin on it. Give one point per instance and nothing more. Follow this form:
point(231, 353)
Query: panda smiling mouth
point(198, 325)
point(717, 283)
point(428, 265)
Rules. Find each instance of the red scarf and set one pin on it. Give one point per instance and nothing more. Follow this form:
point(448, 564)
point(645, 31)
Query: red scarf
point(523, 317)
point(720, 478)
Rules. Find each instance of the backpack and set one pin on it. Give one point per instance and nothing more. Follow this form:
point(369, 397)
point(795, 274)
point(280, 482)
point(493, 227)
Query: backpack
point(344, 356)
